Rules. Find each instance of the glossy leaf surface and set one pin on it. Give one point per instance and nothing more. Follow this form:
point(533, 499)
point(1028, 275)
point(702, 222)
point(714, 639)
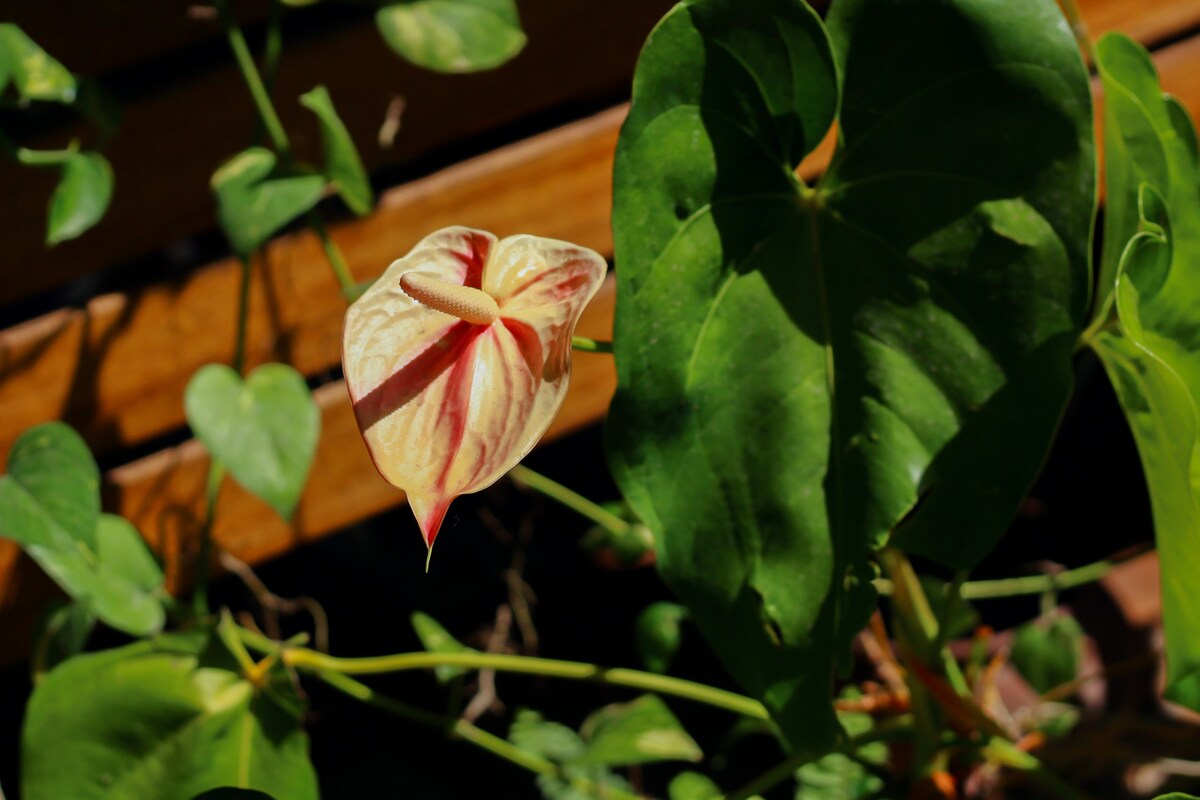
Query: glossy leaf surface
point(81, 197)
point(342, 163)
point(1152, 352)
point(801, 370)
point(168, 718)
point(264, 429)
point(453, 35)
point(50, 505)
point(447, 406)
point(255, 198)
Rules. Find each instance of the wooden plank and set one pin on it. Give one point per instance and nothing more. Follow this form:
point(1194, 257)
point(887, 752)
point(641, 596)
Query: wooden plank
point(579, 51)
point(163, 494)
point(116, 369)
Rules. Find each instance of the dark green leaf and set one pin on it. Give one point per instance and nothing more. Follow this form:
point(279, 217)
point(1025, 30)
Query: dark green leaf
point(1047, 652)
point(637, 732)
point(342, 165)
point(437, 639)
point(453, 35)
point(941, 265)
point(255, 199)
point(155, 719)
point(80, 198)
point(836, 776)
point(693, 786)
point(657, 633)
point(31, 70)
point(264, 429)
point(62, 633)
point(1150, 355)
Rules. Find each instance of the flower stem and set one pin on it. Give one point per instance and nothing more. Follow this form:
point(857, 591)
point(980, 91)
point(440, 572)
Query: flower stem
point(462, 729)
point(238, 362)
point(586, 345)
point(312, 661)
point(524, 476)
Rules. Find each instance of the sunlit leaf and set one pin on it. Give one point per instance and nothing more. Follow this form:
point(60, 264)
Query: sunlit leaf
point(168, 718)
point(264, 429)
point(255, 198)
point(50, 505)
point(563, 746)
point(34, 73)
point(693, 786)
point(637, 732)
point(453, 35)
point(342, 164)
point(801, 367)
point(1150, 354)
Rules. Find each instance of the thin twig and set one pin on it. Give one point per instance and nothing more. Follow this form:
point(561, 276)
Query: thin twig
point(485, 698)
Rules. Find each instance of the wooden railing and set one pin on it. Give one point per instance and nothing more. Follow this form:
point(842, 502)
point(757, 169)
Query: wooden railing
point(115, 365)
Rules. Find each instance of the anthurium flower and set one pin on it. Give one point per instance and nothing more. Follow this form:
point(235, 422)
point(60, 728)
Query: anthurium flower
point(458, 358)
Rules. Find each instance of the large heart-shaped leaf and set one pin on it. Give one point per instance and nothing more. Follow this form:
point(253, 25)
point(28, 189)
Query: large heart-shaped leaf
point(453, 35)
point(1151, 350)
point(343, 167)
point(264, 429)
point(255, 198)
point(803, 368)
point(50, 505)
point(171, 718)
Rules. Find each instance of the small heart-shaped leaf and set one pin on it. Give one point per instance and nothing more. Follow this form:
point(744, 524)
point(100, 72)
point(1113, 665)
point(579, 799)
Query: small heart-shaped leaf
point(452, 35)
point(34, 73)
point(255, 199)
point(264, 429)
point(50, 505)
point(343, 167)
point(81, 197)
point(637, 732)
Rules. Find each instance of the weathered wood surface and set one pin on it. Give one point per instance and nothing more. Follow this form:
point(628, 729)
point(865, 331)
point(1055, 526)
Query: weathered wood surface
point(171, 140)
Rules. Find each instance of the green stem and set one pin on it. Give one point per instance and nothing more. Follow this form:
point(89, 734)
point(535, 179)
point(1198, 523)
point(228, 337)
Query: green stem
point(524, 476)
point(254, 81)
point(216, 472)
point(462, 729)
point(1078, 28)
point(334, 254)
point(586, 345)
point(1026, 584)
point(312, 661)
point(239, 343)
point(1038, 584)
point(784, 770)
